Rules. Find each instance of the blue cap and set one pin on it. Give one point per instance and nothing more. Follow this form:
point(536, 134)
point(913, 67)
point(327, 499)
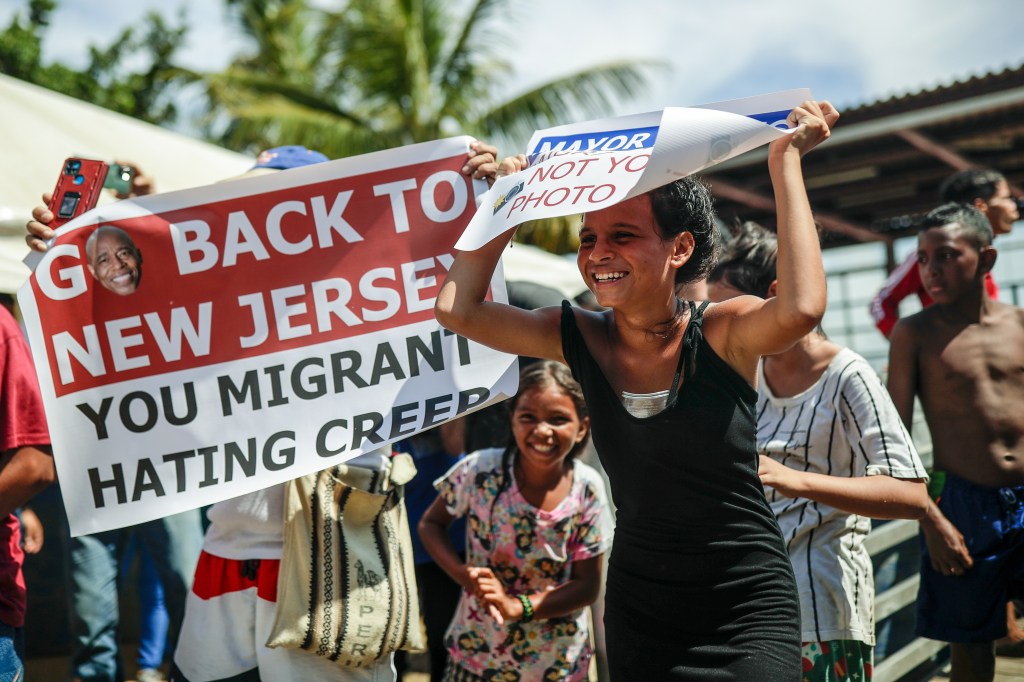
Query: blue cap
point(293, 156)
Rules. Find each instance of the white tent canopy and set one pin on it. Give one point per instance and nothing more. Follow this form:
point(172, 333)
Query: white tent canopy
point(40, 128)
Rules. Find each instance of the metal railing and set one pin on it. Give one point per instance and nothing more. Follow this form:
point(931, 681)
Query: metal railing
point(919, 653)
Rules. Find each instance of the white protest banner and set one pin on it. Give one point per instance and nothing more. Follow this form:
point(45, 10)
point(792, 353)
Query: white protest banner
point(253, 331)
point(588, 166)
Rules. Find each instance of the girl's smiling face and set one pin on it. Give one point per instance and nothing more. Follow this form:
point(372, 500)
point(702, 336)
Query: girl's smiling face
point(546, 426)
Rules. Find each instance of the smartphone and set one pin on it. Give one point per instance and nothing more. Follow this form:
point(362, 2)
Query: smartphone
point(119, 178)
point(78, 189)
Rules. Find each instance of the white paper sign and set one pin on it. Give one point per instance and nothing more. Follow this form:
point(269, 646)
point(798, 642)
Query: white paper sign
point(588, 166)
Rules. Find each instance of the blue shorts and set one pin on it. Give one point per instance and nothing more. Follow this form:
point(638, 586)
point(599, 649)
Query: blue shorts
point(972, 607)
point(12, 653)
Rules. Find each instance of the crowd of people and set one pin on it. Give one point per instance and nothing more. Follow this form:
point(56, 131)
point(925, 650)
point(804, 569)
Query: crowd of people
point(746, 456)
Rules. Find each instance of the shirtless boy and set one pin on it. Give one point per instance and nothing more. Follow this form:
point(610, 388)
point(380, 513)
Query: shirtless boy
point(964, 358)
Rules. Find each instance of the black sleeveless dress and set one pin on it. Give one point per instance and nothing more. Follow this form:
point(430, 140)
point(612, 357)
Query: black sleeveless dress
point(700, 586)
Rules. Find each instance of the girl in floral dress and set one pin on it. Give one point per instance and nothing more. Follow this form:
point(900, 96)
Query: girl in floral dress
point(538, 523)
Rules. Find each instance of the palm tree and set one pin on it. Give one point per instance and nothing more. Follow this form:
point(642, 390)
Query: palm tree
point(287, 91)
point(384, 73)
point(389, 72)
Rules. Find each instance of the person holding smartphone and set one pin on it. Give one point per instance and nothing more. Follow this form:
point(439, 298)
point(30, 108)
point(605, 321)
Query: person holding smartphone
point(174, 542)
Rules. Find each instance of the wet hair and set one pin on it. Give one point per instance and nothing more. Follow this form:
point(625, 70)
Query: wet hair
point(686, 206)
point(966, 186)
point(748, 262)
point(972, 223)
point(541, 374)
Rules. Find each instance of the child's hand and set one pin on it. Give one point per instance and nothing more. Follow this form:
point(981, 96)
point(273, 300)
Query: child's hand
point(784, 480)
point(813, 122)
point(947, 550)
point(491, 593)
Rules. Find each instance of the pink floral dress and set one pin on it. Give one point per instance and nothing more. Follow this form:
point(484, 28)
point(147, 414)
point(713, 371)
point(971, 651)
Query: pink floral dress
point(530, 550)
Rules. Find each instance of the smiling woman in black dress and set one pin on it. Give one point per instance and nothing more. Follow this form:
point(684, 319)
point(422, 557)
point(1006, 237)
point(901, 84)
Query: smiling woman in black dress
point(699, 585)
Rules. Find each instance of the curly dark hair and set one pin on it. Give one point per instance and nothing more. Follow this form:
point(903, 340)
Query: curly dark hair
point(686, 206)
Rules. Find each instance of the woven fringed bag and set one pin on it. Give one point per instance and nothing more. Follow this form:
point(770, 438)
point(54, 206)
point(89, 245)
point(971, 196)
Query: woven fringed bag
point(347, 586)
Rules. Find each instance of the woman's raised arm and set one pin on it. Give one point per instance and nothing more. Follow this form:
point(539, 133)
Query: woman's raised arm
point(462, 306)
point(772, 326)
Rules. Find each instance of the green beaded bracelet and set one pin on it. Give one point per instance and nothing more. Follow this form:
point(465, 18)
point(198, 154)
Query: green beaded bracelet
point(527, 607)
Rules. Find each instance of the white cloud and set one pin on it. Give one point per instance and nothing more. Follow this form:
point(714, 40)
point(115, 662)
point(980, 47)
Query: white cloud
point(850, 52)
point(74, 26)
point(878, 47)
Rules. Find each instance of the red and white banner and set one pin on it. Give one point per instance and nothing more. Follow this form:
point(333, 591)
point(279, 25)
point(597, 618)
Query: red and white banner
point(215, 341)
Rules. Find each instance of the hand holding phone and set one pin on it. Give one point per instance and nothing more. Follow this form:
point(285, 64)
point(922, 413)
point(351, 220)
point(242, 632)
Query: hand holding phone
point(119, 178)
point(78, 189)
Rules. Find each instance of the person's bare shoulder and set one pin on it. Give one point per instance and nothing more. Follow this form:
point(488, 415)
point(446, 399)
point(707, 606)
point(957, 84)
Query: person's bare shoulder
point(1004, 318)
point(1014, 311)
point(918, 325)
point(719, 315)
point(732, 306)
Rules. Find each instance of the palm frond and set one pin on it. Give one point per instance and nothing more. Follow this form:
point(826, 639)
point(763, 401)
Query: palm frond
point(590, 92)
point(555, 235)
point(393, 72)
point(256, 85)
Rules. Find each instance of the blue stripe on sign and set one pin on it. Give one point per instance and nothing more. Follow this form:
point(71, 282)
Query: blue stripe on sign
point(629, 138)
point(604, 141)
point(772, 118)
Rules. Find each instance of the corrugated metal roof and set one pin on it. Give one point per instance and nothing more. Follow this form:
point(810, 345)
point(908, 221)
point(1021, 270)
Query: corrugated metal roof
point(883, 167)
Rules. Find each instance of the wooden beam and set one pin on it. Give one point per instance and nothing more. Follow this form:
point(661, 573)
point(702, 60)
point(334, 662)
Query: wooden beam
point(940, 151)
point(887, 125)
point(830, 222)
point(943, 153)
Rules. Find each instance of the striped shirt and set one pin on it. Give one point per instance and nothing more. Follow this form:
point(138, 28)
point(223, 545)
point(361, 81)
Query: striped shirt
point(843, 425)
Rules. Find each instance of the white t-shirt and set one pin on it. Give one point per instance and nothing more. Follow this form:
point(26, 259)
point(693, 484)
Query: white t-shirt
point(843, 425)
point(251, 526)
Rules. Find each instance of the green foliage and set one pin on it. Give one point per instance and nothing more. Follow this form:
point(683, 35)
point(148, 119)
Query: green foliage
point(555, 235)
point(21, 43)
point(145, 92)
point(381, 73)
point(368, 75)
point(376, 74)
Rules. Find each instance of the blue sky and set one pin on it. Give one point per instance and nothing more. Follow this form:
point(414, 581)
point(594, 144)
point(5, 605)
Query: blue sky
point(848, 52)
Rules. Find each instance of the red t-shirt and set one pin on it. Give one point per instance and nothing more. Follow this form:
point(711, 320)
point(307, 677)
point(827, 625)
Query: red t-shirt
point(22, 422)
